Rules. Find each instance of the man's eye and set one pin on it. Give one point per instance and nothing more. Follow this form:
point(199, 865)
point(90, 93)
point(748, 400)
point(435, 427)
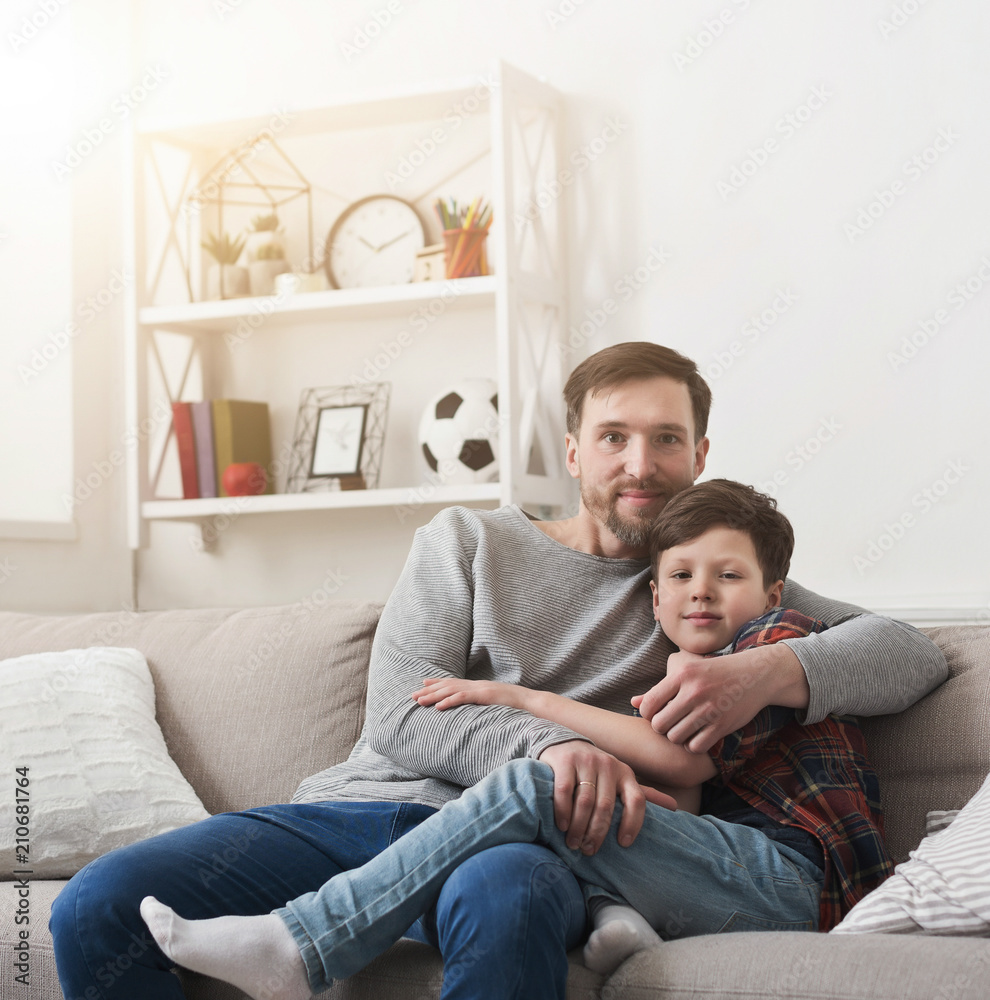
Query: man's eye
point(669, 439)
point(613, 438)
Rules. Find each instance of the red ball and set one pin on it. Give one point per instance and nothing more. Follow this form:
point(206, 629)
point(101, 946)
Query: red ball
point(244, 479)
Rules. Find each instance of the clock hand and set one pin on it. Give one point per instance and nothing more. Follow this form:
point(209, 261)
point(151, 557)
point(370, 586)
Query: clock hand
point(368, 245)
point(395, 240)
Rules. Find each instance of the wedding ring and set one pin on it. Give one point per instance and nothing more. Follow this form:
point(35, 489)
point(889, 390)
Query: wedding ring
point(593, 785)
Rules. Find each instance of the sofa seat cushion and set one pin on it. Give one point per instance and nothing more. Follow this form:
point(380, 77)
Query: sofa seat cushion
point(811, 966)
point(250, 700)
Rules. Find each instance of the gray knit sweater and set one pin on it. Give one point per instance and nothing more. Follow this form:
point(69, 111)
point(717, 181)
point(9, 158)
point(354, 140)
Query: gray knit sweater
point(486, 594)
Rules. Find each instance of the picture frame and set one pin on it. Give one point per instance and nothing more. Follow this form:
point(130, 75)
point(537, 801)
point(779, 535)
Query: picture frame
point(338, 441)
point(339, 437)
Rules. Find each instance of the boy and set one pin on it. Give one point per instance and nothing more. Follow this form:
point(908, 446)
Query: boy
point(789, 836)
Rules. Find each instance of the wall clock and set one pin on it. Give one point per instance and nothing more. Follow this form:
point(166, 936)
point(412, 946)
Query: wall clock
point(374, 242)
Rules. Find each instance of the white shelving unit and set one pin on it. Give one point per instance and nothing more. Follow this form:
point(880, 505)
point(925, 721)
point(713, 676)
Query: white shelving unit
point(520, 305)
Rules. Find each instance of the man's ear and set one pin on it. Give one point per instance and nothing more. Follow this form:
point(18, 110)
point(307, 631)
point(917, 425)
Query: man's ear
point(773, 595)
point(700, 456)
point(571, 455)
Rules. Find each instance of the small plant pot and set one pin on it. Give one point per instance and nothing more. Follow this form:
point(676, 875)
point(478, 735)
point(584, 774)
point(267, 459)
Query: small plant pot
point(264, 273)
point(263, 238)
point(227, 281)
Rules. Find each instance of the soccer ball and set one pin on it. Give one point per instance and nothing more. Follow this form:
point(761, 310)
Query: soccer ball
point(459, 433)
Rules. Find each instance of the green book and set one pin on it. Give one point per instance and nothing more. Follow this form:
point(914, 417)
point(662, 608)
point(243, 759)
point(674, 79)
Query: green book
point(241, 433)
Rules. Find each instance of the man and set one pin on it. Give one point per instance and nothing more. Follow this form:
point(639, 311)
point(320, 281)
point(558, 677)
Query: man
point(478, 598)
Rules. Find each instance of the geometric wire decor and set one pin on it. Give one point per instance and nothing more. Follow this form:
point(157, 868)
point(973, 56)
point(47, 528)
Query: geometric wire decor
point(319, 439)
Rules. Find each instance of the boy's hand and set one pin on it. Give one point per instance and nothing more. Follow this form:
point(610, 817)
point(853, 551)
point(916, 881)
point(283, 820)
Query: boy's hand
point(703, 699)
point(587, 782)
point(448, 692)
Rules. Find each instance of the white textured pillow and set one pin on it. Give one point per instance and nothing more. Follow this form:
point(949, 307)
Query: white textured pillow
point(944, 886)
point(82, 722)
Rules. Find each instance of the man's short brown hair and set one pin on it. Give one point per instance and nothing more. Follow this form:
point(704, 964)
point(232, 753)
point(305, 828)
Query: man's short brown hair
point(725, 503)
point(636, 359)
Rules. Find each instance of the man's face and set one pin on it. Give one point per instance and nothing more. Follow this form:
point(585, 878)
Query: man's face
point(634, 450)
point(707, 588)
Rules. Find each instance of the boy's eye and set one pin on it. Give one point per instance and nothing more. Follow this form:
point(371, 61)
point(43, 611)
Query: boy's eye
point(731, 575)
point(681, 574)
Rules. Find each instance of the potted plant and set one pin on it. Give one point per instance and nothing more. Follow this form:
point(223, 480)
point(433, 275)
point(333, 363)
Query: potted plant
point(269, 262)
point(264, 232)
point(226, 279)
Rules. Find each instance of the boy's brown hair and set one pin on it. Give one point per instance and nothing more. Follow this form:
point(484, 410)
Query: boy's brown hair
point(636, 359)
point(723, 502)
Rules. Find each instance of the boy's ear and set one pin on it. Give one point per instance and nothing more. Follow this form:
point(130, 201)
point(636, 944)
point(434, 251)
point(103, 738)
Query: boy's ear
point(773, 595)
point(656, 600)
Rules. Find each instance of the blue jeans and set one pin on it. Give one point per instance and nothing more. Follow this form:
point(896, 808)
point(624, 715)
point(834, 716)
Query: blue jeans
point(518, 900)
point(686, 874)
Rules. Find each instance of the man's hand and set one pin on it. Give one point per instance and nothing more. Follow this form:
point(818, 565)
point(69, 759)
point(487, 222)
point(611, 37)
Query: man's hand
point(448, 692)
point(703, 699)
point(587, 782)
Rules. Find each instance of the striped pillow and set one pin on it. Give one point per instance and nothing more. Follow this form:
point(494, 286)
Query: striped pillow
point(944, 886)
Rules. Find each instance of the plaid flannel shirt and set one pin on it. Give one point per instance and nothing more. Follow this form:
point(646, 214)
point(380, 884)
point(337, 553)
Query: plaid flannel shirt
point(816, 777)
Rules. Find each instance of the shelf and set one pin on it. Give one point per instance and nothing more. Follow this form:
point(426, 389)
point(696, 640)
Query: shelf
point(183, 510)
point(337, 304)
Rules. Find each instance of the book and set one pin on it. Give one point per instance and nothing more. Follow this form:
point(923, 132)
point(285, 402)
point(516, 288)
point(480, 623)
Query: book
point(185, 438)
point(241, 433)
point(206, 466)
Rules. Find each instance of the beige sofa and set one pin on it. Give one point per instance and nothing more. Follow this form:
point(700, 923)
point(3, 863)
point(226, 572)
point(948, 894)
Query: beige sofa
point(250, 701)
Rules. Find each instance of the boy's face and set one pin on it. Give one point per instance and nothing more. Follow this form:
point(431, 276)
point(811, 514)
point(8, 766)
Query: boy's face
point(706, 588)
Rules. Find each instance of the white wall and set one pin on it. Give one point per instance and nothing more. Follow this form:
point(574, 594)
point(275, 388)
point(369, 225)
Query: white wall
point(752, 215)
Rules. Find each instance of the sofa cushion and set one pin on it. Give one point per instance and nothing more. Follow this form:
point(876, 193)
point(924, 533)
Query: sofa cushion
point(936, 754)
point(250, 701)
point(78, 738)
point(944, 888)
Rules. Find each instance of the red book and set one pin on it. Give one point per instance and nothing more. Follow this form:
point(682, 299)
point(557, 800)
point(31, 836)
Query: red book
point(182, 422)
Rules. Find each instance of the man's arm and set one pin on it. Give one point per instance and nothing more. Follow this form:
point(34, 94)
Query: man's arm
point(426, 630)
point(652, 756)
point(864, 664)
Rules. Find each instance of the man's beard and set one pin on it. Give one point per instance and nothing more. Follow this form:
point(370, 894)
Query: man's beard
point(634, 529)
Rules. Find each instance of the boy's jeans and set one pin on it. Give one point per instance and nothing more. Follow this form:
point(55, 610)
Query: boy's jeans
point(686, 874)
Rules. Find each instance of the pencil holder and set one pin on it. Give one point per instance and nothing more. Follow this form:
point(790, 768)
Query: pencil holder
point(464, 252)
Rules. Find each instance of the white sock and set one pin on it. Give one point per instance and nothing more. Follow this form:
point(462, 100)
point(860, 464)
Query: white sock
point(257, 954)
point(620, 931)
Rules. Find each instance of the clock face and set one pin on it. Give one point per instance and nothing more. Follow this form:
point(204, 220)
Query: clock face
point(374, 242)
